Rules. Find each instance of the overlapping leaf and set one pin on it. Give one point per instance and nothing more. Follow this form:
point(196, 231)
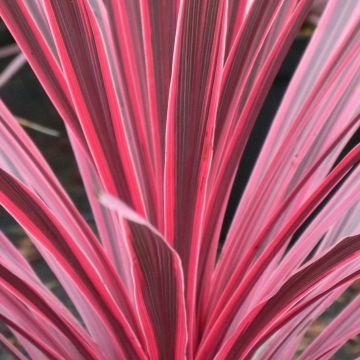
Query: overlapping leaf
point(159, 285)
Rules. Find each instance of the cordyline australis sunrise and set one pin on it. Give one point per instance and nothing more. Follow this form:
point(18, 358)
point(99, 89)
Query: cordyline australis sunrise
point(159, 99)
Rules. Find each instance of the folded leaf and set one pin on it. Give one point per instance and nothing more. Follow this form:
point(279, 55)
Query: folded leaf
point(159, 285)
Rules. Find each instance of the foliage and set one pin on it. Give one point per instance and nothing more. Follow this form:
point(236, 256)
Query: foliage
point(159, 99)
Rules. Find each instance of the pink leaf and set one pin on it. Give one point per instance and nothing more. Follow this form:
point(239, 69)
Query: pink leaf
point(225, 309)
point(193, 98)
point(269, 316)
point(341, 329)
point(83, 59)
point(294, 135)
point(159, 285)
point(49, 233)
point(11, 348)
point(41, 57)
point(239, 105)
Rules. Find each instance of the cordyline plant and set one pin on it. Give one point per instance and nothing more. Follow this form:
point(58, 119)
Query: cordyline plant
point(159, 99)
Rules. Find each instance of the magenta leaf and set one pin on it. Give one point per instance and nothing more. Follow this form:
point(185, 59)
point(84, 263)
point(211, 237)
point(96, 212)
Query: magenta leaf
point(159, 284)
point(159, 99)
point(276, 310)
